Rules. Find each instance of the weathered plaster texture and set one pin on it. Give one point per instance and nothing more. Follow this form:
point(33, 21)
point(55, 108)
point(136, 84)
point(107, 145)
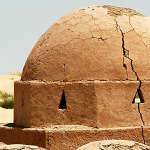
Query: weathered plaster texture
point(89, 44)
point(98, 56)
point(92, 103)
point(114, 145)
point(100, 43)
point(15, 135)
point(69, 137)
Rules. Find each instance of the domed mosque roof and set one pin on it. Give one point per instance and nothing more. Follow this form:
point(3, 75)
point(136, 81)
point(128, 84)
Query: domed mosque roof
point(93, 43)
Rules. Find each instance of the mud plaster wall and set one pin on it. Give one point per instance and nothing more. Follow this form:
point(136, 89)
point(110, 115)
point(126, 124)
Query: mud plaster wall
point(16, 135)
point(100, 43)
point(22, 104)
point(97, 104)
point(66, 140)
point(69, 137)
point(44, 104)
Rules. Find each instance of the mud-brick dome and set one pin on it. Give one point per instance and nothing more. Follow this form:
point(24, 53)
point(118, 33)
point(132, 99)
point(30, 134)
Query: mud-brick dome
point(93, 43)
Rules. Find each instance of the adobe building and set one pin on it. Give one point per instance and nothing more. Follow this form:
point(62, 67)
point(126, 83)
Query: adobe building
point(86, 79)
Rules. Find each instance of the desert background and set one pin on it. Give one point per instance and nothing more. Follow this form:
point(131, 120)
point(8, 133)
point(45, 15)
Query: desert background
point(7, 93)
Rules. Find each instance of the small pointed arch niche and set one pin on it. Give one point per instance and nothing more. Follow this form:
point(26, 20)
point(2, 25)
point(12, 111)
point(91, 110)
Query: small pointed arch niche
point(63, 103)
point(138, 98)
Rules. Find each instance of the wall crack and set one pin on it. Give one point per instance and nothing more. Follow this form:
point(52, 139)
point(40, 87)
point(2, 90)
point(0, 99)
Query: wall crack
point(142, 122)
point(126, 55)
point(143, 135)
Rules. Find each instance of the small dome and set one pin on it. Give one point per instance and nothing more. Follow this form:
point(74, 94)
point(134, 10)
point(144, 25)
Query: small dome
point(93, 43)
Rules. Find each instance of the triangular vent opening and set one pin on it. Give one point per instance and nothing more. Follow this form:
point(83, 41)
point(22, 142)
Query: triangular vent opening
point(63, 104)
point(138, 98)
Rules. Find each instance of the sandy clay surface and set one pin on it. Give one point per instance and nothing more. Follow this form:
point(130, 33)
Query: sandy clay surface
point(19, 147)
point(7, 85)
point(114, 145)
point(6, 115)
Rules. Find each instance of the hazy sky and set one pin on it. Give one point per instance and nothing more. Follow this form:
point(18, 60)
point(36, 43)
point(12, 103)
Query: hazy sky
point(22, 22)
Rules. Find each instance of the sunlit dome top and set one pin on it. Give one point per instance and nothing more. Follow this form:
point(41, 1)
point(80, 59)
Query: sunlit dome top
point(92, 43)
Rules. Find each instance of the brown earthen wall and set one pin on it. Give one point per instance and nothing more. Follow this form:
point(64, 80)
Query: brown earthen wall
point(22, 136)
point(145, 107)
point(95, 103)
point(22, 104)
point(71, 140)
point(44, 104)
point(82, 104)
point(45, 99)
point(114, 104)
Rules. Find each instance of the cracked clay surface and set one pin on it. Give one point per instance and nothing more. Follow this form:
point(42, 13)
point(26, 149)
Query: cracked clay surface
point(86, 44)
point(114, 145)
point(104, 43)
